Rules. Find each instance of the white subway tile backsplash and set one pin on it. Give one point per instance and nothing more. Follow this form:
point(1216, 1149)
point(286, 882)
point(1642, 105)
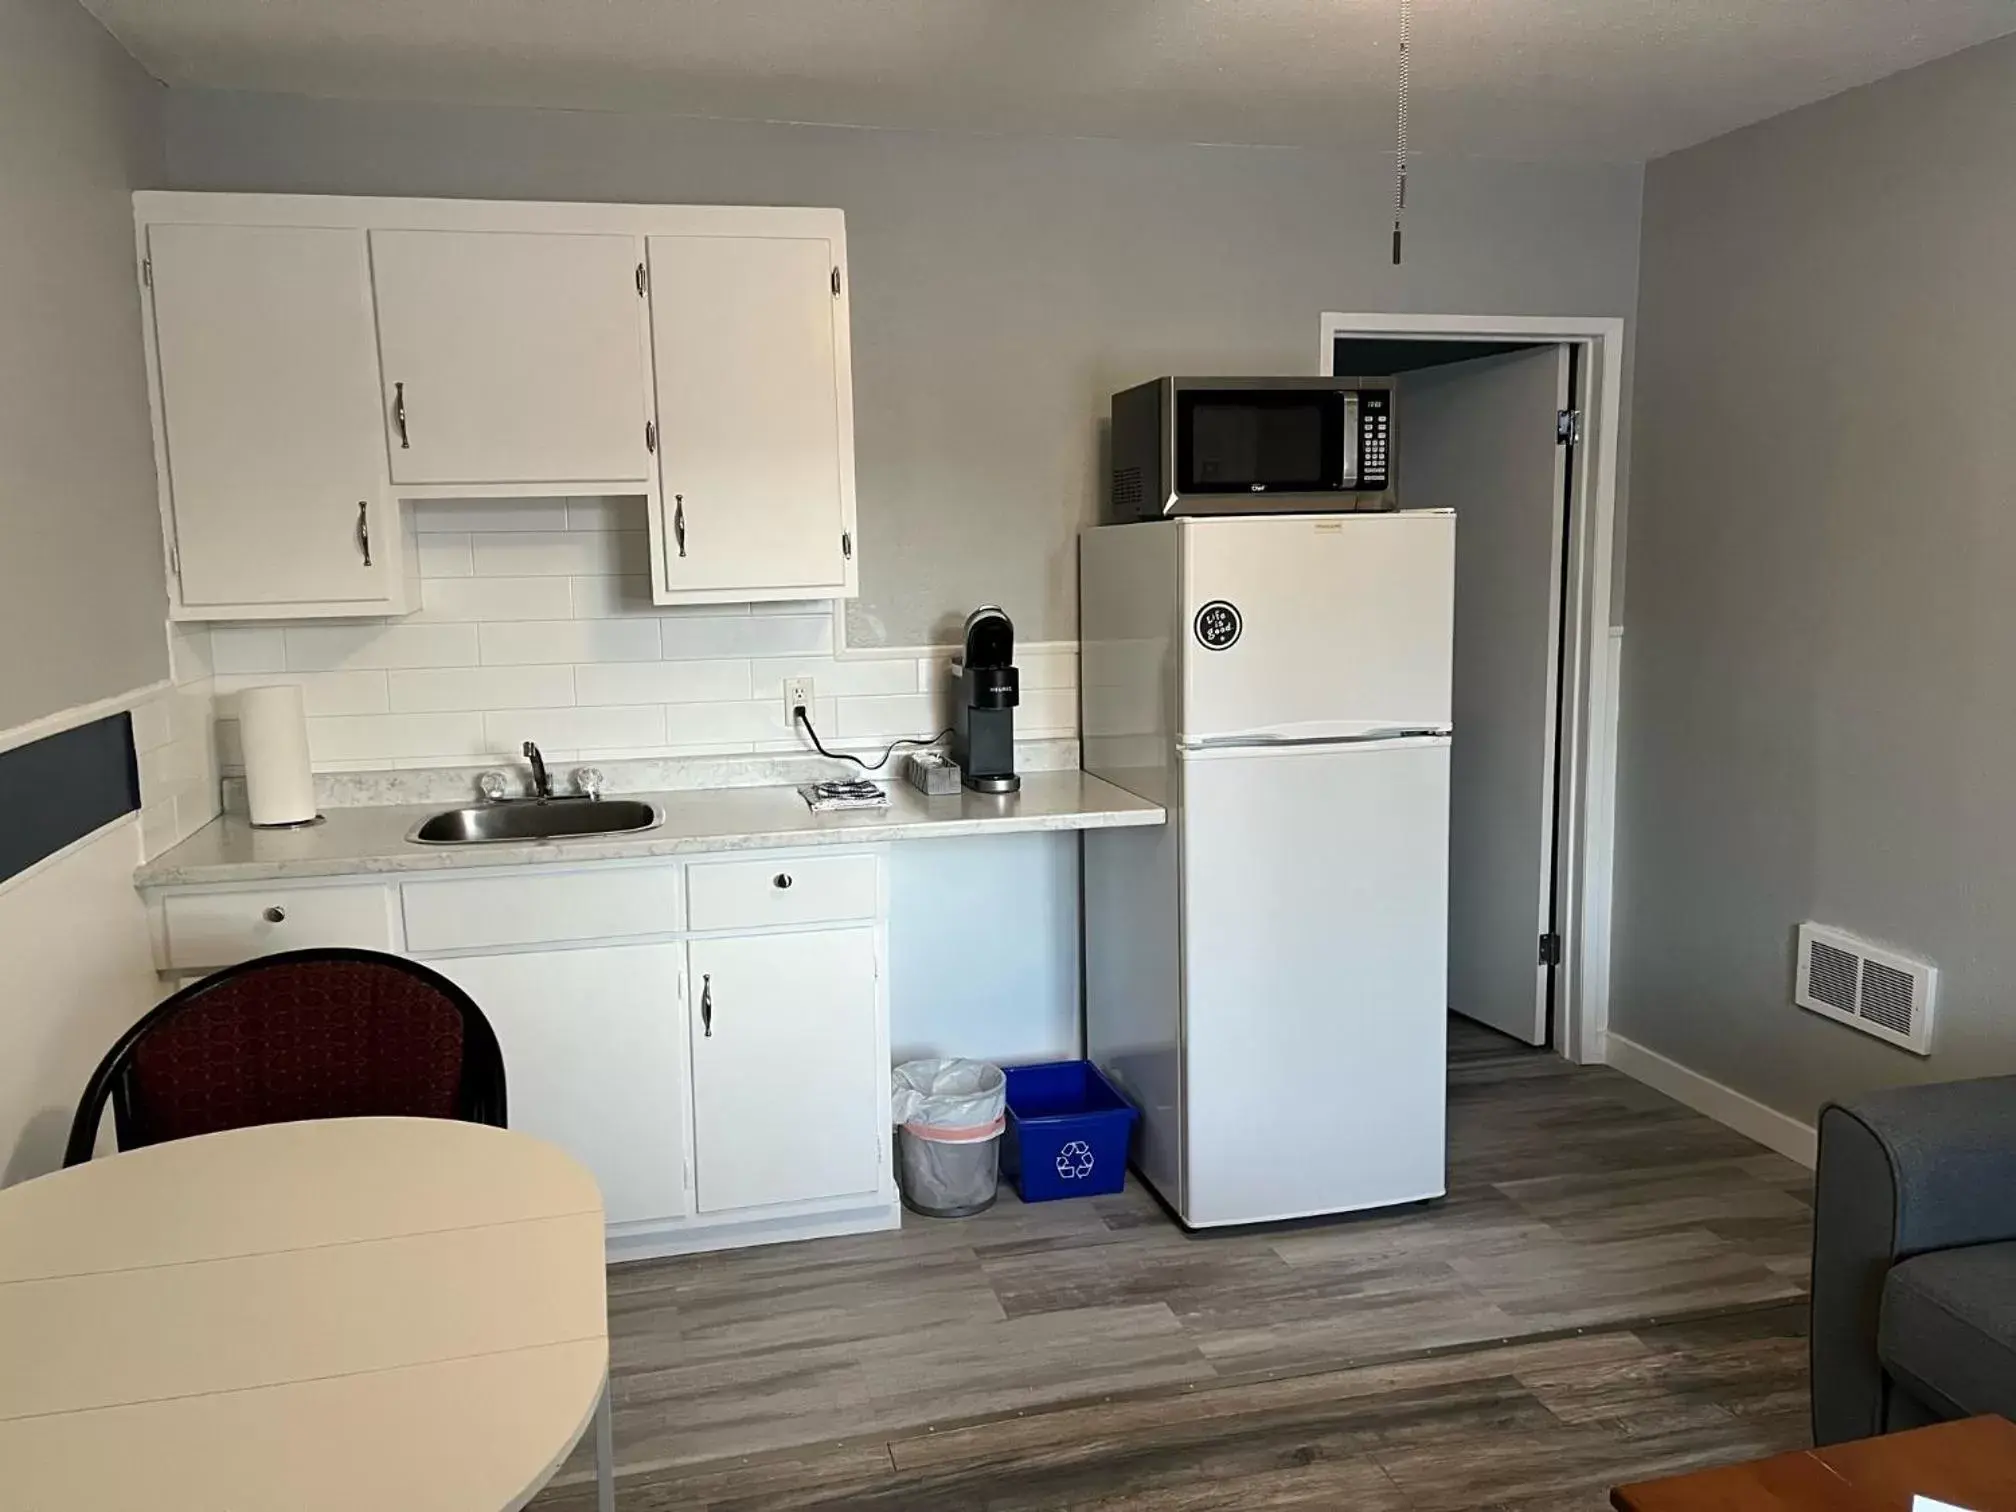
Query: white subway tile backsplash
point(578, 553)
point(575, 730)
point(248, 648)
point(757, 635)
point(321, 692)
point(436, 516)
point(662, 682)
point(832, 678)
point(336, 648)
point(569, 641)
point(153, 724)
point(621, 597)
point(445, 556)
point(481, 688)
point(688, 725)
point(189, 658)
point(360, 737)
point(617, 512)
point(918, 714)
point(495, 598)
point(536, 623)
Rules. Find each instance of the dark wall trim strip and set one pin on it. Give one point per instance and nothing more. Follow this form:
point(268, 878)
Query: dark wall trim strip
point(61, 788)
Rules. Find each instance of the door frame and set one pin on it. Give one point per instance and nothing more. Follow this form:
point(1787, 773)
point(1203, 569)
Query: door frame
point(1586, 812)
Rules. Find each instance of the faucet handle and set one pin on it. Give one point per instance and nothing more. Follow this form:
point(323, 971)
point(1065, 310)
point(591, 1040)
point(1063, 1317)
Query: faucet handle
point(588, 782)
point(492, 786)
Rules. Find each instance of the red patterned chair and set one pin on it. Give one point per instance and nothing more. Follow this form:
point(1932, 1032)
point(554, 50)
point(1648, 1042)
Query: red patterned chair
point(306, 1034)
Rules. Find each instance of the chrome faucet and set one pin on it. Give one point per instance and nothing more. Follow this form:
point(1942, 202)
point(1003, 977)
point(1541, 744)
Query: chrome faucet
point(542, 785)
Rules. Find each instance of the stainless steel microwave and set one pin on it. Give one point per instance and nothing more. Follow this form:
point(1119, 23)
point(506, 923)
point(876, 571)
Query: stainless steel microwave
point(1201, 446)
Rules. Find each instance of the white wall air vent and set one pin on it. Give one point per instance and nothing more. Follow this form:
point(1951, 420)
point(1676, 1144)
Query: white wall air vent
point(1865, 986)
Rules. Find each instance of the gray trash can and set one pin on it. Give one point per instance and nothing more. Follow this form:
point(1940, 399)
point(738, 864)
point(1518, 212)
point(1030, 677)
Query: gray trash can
point(950, 1115)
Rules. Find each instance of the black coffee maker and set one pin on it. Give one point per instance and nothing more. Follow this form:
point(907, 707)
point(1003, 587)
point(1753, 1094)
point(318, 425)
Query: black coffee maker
point(983, 713)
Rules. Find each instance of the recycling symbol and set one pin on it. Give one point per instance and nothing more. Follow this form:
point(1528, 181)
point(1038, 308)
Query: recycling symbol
point(1074, 1161)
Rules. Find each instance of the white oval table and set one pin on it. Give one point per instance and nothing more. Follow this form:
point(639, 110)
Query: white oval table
point(364, 1312)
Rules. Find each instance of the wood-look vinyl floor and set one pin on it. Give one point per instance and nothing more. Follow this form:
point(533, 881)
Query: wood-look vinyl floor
point(1613, 1288)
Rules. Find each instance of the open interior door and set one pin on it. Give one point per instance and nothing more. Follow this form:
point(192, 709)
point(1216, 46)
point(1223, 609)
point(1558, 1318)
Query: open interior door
point(1480, 437)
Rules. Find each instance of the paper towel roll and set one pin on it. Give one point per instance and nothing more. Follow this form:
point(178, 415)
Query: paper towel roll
point(279, 783)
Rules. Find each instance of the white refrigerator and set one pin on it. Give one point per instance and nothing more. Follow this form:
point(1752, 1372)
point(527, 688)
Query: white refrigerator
point(1266, 975)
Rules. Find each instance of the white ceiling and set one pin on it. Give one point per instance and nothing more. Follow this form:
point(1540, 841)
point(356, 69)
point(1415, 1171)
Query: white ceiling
point(1617, 80)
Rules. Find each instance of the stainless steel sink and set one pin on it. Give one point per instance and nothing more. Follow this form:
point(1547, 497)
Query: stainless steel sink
point(534, 819)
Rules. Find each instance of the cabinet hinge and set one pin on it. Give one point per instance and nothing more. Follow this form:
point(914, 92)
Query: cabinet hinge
point(650, 436)
point(643, 280)
point(688, 1167)
point(1550, 950)
point(1568, 427)
point(847, 545)
point(836, 283)
point(175, 559)
point(147, 271)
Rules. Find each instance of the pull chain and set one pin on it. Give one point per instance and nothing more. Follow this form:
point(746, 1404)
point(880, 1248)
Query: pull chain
point(1400, 134)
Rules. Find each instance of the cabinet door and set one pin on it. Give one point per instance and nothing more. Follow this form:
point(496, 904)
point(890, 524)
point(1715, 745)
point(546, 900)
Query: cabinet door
point(790, 1096)
point(755, 475)
point(268, 395)
point(511, 357)
point(592, 1064)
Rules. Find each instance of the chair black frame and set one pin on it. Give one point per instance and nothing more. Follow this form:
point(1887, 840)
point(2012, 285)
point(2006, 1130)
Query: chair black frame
point(479, 1098)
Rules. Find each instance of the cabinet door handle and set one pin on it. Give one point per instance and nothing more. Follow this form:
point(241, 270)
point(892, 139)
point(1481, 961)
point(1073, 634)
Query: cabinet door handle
point(679, 521)
point(364, 529)
point(276, 915)
point(781, 881)
point(706, 1006)
point(399, 415)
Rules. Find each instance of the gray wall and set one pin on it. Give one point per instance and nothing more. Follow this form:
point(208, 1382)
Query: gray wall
point(1819, 711)
point(1002, 287)
point(81, 594)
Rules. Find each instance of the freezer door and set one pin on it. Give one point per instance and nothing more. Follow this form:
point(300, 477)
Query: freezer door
point(1316, 626)
point(1315, 905)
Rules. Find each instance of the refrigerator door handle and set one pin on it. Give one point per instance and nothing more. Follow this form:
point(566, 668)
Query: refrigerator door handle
point(1266, 740)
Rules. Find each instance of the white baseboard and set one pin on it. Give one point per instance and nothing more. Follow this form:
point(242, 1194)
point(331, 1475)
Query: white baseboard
point(1727, 1106)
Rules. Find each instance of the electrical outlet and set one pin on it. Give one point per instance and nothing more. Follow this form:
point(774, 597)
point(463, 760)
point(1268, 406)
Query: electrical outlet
point(797, 695)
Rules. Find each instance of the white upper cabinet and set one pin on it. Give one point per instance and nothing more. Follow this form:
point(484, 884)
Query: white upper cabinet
point(266, 409)
point(319, 362)
point(756, 469)
point(513, 357)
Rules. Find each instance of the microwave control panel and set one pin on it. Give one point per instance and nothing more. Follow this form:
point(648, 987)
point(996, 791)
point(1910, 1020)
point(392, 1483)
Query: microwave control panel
point(1375, 435)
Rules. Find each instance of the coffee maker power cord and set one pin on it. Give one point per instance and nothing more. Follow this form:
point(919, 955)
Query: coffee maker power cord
point(806, 720)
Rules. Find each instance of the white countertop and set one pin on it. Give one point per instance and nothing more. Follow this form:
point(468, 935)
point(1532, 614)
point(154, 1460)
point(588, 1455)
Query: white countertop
point(373, 840)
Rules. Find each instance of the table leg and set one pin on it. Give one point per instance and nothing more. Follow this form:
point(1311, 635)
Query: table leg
point(605, 1453)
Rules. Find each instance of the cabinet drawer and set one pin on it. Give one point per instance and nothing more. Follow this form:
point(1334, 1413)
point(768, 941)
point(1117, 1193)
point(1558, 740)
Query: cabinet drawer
point(218, 929)
point(530, 909)
point(803, 890)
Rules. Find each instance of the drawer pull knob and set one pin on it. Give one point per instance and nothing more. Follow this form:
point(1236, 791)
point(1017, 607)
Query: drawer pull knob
point(781, 880)
point(276, 915)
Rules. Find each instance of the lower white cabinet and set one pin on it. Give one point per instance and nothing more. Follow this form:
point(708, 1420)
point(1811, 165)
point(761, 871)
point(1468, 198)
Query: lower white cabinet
point(724, 1073)
point(592, 1064)
point(790, 1095)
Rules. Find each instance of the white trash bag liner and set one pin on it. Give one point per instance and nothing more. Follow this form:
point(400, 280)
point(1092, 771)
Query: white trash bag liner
point(950, 1101)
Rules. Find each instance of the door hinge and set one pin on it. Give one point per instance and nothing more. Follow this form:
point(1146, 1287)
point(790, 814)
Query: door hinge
point(147, 271)
point(175, 559)
point(1568, 427)
point(836, 283)
point(650, 436)
point(847, 545)
point(1550, 950)
point(643, 281)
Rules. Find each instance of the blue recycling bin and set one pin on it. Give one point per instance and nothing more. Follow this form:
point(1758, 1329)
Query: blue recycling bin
point(1068, 1132)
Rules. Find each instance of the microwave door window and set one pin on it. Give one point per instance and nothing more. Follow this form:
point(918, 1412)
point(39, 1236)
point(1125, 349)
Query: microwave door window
point(1260, 443)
